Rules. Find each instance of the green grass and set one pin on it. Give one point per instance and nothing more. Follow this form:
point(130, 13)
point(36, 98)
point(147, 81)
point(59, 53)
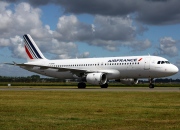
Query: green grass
point(80, 110)
point(74, 84)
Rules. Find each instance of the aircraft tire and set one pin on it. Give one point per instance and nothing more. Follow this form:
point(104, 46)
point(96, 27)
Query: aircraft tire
point(151, 86)
point(81, 85)
point(104, 85)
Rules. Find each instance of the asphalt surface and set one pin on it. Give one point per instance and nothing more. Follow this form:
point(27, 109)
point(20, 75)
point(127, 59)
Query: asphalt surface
point(110, 89)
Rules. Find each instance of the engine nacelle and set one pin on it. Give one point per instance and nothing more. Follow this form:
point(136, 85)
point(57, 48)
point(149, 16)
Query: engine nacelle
point(128, 81)
point(96, 78)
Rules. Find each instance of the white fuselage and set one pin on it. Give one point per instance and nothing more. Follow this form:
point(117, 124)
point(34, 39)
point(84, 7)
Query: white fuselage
point(114, 67)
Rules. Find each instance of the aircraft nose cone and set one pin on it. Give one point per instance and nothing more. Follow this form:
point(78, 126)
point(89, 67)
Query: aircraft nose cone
point(174, 69)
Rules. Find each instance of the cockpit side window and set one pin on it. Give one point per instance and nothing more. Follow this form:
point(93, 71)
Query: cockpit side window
point(167, 62)
point(158, 62)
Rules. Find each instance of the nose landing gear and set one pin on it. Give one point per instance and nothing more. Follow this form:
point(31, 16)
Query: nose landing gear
point(151, 85)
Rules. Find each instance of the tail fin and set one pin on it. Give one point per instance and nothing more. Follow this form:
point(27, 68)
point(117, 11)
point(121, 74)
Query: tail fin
point(32, 49)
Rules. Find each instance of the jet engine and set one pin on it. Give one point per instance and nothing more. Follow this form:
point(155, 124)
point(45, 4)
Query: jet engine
point(96, 78)
point(128, 81)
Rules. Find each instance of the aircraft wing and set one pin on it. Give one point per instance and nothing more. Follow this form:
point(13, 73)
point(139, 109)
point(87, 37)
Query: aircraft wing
point(76, 71)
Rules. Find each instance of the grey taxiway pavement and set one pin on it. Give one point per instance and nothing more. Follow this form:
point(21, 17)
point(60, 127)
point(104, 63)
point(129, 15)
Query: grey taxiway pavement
point(110, 89)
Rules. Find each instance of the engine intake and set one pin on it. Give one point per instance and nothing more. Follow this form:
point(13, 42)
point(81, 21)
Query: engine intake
point(96, 78)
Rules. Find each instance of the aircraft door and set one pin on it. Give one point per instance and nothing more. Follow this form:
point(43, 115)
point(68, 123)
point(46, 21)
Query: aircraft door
point(147, 63)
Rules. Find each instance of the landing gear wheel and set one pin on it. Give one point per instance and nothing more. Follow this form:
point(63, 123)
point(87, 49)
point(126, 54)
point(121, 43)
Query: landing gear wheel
point(104, 85)
point(81, 85)
point(151, 85)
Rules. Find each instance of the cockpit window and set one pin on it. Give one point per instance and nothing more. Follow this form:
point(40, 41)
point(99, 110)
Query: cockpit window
point(163, 62)
point(167, 62)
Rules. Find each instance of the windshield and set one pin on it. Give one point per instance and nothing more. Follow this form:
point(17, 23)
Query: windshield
point(163, 62)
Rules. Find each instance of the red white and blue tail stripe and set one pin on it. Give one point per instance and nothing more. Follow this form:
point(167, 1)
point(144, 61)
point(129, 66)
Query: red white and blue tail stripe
point(31, 48)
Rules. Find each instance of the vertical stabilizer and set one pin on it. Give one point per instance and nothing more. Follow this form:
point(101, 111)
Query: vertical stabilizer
point(32, 50)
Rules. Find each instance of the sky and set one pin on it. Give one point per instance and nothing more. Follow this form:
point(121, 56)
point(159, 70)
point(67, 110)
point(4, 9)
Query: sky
point(97, 28)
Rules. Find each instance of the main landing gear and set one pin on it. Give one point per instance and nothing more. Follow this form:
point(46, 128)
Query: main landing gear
point(81, 85)
point(151, 85)
point(104, 85)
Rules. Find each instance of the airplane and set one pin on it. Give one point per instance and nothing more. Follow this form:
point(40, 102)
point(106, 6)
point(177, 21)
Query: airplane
point(97, 71)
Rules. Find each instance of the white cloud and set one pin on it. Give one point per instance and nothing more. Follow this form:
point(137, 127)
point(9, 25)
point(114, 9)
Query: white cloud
point(168, 46)
point(107, 44)
point(14, 24)
point(4, 42)
point(84, 55)
point(5, 16)
point(26, 19)
point(26, 16)
point(107, 32)
point(114, 28)
point(140, 45)
point(67, 49)
point(17, 47)
point(3, 6)
point(22, 19)
point(69, 28)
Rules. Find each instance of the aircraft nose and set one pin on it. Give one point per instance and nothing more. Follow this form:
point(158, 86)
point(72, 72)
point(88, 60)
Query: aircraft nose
point(174, 69)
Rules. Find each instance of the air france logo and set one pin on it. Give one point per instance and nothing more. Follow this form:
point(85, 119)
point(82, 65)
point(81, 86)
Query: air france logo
point(140, 59)
point(125, 60)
